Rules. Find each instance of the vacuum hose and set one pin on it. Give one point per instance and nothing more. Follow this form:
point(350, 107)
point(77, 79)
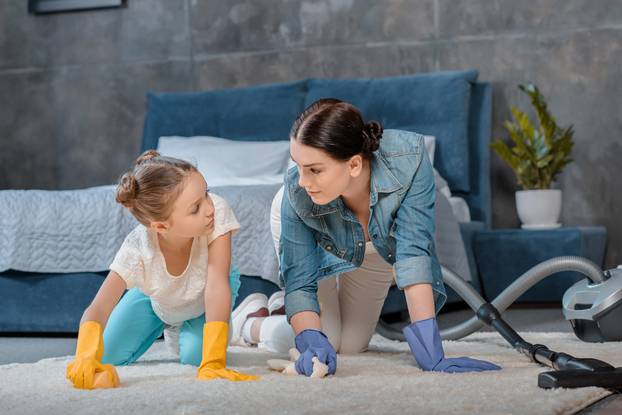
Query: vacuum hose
point(507, 297)
point(514, 290)
point(570, 371)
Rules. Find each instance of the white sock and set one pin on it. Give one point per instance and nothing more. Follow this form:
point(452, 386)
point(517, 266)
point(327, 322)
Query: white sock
point(246, 330)
point(276, 335)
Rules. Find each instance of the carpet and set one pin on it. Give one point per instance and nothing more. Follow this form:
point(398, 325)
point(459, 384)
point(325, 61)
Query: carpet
point(382, 380)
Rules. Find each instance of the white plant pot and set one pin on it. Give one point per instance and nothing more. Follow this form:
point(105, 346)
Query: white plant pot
point(539, 209)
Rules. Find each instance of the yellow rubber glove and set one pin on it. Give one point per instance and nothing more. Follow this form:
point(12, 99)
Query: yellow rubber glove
point(215, 354)
point(86, 371)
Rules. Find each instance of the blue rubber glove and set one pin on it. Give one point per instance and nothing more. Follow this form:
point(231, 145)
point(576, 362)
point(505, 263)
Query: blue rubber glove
point(425, 344)
point(314, 343)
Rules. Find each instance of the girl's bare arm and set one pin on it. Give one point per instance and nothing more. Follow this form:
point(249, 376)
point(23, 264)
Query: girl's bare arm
point(217, 289)
point(105, 300)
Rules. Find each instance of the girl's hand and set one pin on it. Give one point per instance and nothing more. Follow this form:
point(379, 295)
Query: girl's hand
point(208, 373)
point(215, 354)
point(86, 371)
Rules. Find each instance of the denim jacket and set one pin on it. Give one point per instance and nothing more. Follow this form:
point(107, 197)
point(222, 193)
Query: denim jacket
point(318, 241)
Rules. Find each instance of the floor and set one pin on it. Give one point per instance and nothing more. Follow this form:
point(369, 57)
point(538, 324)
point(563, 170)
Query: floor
point(31, 349)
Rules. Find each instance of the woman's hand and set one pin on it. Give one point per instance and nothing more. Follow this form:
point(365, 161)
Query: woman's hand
point(425, 344)
point(313, 343)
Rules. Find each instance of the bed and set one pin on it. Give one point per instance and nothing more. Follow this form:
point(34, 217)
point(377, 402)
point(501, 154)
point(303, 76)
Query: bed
point(46, 289)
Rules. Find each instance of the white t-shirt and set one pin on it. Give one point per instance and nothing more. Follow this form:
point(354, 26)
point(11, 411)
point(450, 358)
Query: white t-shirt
point(141, 264)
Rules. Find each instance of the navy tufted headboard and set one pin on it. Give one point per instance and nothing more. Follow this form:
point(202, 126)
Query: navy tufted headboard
point(452, 106)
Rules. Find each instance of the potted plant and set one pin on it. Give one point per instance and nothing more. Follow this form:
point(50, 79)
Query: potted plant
point(537, 156)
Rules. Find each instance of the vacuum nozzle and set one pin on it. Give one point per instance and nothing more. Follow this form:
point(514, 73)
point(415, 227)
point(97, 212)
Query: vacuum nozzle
point(580, 378)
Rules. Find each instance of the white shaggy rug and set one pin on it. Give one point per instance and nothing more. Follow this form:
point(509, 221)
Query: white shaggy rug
point(383, 380)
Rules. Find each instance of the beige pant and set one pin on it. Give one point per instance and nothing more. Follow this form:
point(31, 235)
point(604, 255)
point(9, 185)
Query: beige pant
point(350, 303)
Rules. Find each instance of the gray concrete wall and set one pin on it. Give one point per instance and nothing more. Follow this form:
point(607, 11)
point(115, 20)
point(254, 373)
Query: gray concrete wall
point(72, 86)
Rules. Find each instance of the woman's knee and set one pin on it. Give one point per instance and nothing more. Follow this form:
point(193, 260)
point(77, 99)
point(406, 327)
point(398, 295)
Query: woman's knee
point(353, 346)
point(331, 327)
point(354, 339)
point(335, 339)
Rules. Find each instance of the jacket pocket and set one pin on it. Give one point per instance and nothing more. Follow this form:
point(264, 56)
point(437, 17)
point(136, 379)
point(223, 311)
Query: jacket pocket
point(328, 245)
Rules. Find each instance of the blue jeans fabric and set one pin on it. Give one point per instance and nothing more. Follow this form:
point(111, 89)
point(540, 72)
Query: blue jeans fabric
point(318, 241)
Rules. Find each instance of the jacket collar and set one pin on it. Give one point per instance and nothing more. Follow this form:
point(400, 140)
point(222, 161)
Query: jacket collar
point(382, 179)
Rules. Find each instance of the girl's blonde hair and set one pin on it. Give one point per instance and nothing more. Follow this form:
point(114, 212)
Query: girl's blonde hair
point(149, 190)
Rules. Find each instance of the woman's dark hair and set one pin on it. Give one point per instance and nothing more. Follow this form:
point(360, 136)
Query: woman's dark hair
point(337, 127)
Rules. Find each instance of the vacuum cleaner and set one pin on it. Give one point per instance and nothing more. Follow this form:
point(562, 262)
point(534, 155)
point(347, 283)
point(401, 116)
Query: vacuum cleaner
point(593, 306)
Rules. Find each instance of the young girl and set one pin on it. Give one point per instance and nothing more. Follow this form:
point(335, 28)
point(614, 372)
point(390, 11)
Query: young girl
point(176, 266)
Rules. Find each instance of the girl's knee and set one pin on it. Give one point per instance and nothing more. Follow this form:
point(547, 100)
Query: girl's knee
point(123, 348)
point(191, 341)
point(117, 358)
point(190, 352)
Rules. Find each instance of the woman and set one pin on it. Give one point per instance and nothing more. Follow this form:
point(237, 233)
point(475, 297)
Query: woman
point(359, 206)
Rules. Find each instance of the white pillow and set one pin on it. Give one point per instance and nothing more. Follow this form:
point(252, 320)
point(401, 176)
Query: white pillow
point(226, 162)
point(458, 205)
point(439, 181)
point(430, 146)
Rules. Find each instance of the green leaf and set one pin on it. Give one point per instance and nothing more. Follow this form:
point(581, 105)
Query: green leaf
point(523, 123)
point(537, 155)
point(543, 162)
point(548, 126)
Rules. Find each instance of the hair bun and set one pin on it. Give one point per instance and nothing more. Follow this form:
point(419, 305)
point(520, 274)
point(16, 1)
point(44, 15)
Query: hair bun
point(372, 133)
point(127, 190)
point(146, 156)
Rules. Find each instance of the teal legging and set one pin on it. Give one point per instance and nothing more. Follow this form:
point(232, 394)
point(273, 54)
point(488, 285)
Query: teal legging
point(133, 326)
